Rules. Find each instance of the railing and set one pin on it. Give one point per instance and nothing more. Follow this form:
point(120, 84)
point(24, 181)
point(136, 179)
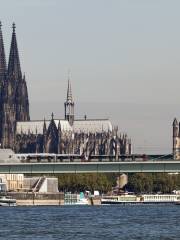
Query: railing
point(41, 158)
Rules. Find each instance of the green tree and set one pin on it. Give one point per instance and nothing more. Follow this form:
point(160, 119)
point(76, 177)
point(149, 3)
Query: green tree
point(140, 182)
point(82, 182)
point(153, 182)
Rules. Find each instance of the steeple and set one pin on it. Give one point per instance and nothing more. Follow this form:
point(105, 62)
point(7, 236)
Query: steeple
point(2, 80)
point(175, 122)
point(14, 68)
point(69, 104)
point(15, 104)
point(2, 55)
point(69, 91)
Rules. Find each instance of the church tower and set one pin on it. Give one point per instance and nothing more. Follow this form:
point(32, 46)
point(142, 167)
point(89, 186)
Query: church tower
point(15, 104)
point(69, 104)
point(15, 76)
point(3, 72)
point(176, 139)
point(2, 60)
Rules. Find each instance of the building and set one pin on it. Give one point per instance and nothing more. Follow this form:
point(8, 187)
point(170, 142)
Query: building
point(14, 104)
point(13, 182)
point(176, 139)
point(3, 183)
point(41, 184)
point(63, 136)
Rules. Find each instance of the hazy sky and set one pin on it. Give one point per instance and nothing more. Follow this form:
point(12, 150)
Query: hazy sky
point(124, 58)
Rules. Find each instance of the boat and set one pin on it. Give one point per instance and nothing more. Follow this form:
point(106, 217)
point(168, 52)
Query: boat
point(141, 199)
point(75, 199)
point(82, 200)
point(7, 201)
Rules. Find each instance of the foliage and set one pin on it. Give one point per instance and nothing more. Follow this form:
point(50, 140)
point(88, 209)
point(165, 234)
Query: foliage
point(88, 182)
point(140, 182)
point(104, 182)
point(153, 182)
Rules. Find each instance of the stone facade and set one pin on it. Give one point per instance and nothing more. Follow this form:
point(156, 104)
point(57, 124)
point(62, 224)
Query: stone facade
point(62, 136)
point(14, 104)
point(55, 140)
point(14, 182)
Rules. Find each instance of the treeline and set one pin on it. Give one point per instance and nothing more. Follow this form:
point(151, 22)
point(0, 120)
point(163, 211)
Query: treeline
point(153, 182)
point(86, 182)
point(137, 182)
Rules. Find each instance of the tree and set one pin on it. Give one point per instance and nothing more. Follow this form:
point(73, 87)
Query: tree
point(82, 182)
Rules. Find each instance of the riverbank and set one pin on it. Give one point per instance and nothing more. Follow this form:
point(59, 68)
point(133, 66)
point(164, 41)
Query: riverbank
point(49, 199)
point(57, 199)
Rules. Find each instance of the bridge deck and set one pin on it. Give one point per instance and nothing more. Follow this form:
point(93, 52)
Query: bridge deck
point(91, 167)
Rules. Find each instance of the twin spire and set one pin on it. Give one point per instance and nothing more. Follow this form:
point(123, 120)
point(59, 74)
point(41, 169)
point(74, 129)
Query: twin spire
point(2, 54)
point(14, 68)
point(13, 71)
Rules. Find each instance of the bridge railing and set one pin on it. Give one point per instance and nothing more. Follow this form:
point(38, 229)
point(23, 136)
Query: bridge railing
point(40, 158)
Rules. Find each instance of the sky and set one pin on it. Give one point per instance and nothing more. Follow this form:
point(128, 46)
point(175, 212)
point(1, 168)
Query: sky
point(124, 58)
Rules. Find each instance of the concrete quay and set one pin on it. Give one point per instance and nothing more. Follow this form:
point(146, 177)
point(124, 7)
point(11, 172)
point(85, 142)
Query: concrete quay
point(46, 199)
point(50, 202)
point(45, 202)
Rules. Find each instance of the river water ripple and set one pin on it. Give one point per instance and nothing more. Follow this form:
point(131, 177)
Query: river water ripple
point(90, 222)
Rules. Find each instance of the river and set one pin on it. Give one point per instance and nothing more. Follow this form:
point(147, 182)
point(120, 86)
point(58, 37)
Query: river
point(91, 222)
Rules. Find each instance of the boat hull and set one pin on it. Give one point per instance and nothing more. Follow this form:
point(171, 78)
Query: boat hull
point(141, 199)
point(7, 202)
point(133, 203)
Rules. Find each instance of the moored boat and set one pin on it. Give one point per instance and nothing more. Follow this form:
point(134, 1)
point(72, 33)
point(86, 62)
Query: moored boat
point(141, 199)
point(76, 199)
point(82, 202)
point(6, 201)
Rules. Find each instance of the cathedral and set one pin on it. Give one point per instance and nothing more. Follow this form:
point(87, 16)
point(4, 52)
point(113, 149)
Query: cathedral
point(86, 137)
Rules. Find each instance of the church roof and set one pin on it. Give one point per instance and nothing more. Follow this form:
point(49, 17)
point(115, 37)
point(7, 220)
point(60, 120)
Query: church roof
point(92, 125)
point(37, 126)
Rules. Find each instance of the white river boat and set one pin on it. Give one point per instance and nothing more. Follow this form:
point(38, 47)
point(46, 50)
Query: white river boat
point(5, 201)
point(141, 199)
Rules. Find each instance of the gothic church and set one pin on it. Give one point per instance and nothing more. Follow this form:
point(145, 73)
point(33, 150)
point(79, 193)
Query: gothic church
point(86, 137)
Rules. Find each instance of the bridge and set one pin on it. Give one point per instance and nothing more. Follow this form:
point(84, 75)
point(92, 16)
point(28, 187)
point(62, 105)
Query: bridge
point(163, 165)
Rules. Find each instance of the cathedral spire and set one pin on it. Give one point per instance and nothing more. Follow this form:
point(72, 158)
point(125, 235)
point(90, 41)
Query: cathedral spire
point(69, 90)
point(2, 54)
point(14, 68)
point(69, 104)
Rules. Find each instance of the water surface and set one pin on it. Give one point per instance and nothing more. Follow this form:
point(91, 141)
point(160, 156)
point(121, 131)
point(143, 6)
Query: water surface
point(90, 222)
